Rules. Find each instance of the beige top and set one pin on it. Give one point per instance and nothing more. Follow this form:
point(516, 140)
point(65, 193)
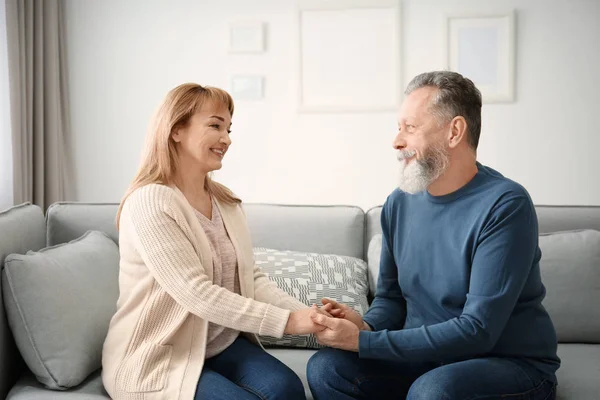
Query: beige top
point(156, 342)
point(225, 274)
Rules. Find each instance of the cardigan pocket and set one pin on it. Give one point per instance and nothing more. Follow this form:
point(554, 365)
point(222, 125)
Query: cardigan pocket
point(146, 369)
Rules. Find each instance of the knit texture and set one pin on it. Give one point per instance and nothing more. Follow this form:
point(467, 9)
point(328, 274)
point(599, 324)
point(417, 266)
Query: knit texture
point(225, 274)
point(156, 343)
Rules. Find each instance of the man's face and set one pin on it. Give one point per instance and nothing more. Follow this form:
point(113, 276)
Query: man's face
point(421, 142)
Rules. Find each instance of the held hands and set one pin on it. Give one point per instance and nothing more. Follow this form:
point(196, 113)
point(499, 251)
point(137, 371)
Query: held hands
point(301, 323)
point(339, 333)
point(339, 310)
point(341, 329)
point(334, 324)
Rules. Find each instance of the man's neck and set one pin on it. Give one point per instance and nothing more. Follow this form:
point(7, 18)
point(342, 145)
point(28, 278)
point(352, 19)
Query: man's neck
point(459, 173)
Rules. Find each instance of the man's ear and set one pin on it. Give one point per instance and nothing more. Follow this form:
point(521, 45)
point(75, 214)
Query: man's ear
point(457, 132)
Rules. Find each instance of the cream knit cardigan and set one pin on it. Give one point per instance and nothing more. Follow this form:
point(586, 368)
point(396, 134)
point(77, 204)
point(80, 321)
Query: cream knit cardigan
point(156, 341)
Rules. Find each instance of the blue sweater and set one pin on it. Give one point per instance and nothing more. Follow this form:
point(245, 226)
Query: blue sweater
point(459, 278)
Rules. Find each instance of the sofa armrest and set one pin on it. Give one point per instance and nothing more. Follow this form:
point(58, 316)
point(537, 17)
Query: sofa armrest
point(11, 363)
point(22, 228)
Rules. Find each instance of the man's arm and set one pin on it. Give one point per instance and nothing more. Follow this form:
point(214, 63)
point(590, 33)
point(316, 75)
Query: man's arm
point(503, 259)
point(388, 310)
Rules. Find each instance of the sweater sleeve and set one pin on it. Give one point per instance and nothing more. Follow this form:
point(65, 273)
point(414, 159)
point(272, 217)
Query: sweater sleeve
point(503, 259)
point(168, 253)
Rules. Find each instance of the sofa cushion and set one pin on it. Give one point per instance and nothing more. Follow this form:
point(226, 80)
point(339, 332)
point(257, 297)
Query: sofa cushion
point(570, 268)
point(579, 371)
point(311, 276)
point(59, 302)
point(28, 388)
point(373, 260)
point(296, 360)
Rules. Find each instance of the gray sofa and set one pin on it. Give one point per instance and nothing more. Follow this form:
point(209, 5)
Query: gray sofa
point(573, 291)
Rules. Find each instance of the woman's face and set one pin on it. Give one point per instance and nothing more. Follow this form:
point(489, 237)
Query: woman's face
point(203, 142)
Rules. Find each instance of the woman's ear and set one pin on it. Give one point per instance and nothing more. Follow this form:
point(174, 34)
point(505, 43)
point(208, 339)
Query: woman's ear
point(458, 131)
point(176, 135)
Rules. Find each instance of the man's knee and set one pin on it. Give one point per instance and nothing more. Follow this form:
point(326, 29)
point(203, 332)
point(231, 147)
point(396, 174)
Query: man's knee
point(325, 368)
point(317, 367)
point(429, 387)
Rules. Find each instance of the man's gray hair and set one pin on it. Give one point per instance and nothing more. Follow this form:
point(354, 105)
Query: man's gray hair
point(456, 96)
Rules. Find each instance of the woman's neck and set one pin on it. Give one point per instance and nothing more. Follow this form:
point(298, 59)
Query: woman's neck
point(192, 185)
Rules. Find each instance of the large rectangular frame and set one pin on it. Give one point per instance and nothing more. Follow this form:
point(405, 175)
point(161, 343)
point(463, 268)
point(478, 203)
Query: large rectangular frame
point(343, 5)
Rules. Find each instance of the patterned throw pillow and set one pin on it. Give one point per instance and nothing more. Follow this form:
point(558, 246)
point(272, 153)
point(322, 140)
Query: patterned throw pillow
point(309, 277)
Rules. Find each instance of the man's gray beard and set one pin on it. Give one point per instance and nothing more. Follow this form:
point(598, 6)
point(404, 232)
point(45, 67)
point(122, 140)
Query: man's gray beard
point(419, 174)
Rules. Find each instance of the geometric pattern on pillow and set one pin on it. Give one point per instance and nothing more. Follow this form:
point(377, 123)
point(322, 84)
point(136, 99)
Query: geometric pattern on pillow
point(311, 276)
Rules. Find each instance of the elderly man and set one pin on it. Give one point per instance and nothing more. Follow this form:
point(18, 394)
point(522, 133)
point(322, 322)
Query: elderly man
point(457, 313)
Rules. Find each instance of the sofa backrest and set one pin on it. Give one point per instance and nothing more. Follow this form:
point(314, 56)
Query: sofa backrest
point(67, 221)
point(319, 229)
point(344, 230)
point(22, 228)
point(550, 219)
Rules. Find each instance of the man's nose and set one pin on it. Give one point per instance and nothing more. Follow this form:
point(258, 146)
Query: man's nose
point(399, 143)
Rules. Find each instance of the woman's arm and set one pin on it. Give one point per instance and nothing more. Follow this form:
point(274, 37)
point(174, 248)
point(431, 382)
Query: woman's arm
point(156, 229)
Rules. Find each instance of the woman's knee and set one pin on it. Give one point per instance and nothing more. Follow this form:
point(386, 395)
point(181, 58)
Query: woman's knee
point(285, 384)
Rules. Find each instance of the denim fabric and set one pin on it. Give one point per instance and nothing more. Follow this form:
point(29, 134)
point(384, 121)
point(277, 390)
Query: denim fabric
point(340, 375)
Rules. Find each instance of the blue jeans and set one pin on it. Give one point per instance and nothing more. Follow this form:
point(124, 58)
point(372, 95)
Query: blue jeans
point(336, 374)
point(245, 371)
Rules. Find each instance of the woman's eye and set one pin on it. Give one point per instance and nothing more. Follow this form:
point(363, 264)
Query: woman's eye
point(216, 126)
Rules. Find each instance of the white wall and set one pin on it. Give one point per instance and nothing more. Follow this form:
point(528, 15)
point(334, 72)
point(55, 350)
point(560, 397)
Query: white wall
point(125, 55)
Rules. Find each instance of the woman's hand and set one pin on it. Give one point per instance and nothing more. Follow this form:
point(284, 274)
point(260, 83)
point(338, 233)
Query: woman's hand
point(300, 322)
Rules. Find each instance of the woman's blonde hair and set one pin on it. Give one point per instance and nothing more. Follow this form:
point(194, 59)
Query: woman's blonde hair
point(159, 160)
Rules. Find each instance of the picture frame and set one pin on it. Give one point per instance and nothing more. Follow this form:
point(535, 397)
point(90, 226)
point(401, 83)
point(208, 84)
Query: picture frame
point(247, 37)
point(482, 48)
point(349, 56)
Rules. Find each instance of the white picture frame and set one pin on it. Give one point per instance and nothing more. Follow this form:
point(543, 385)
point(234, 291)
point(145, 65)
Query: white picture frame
point(247, 87)
point(247, 37)
point(344, 69)
point(482, 48)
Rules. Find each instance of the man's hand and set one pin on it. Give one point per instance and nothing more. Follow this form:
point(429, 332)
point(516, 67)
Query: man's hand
point(340, 310)
point(300, 322)
point(339, 333)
